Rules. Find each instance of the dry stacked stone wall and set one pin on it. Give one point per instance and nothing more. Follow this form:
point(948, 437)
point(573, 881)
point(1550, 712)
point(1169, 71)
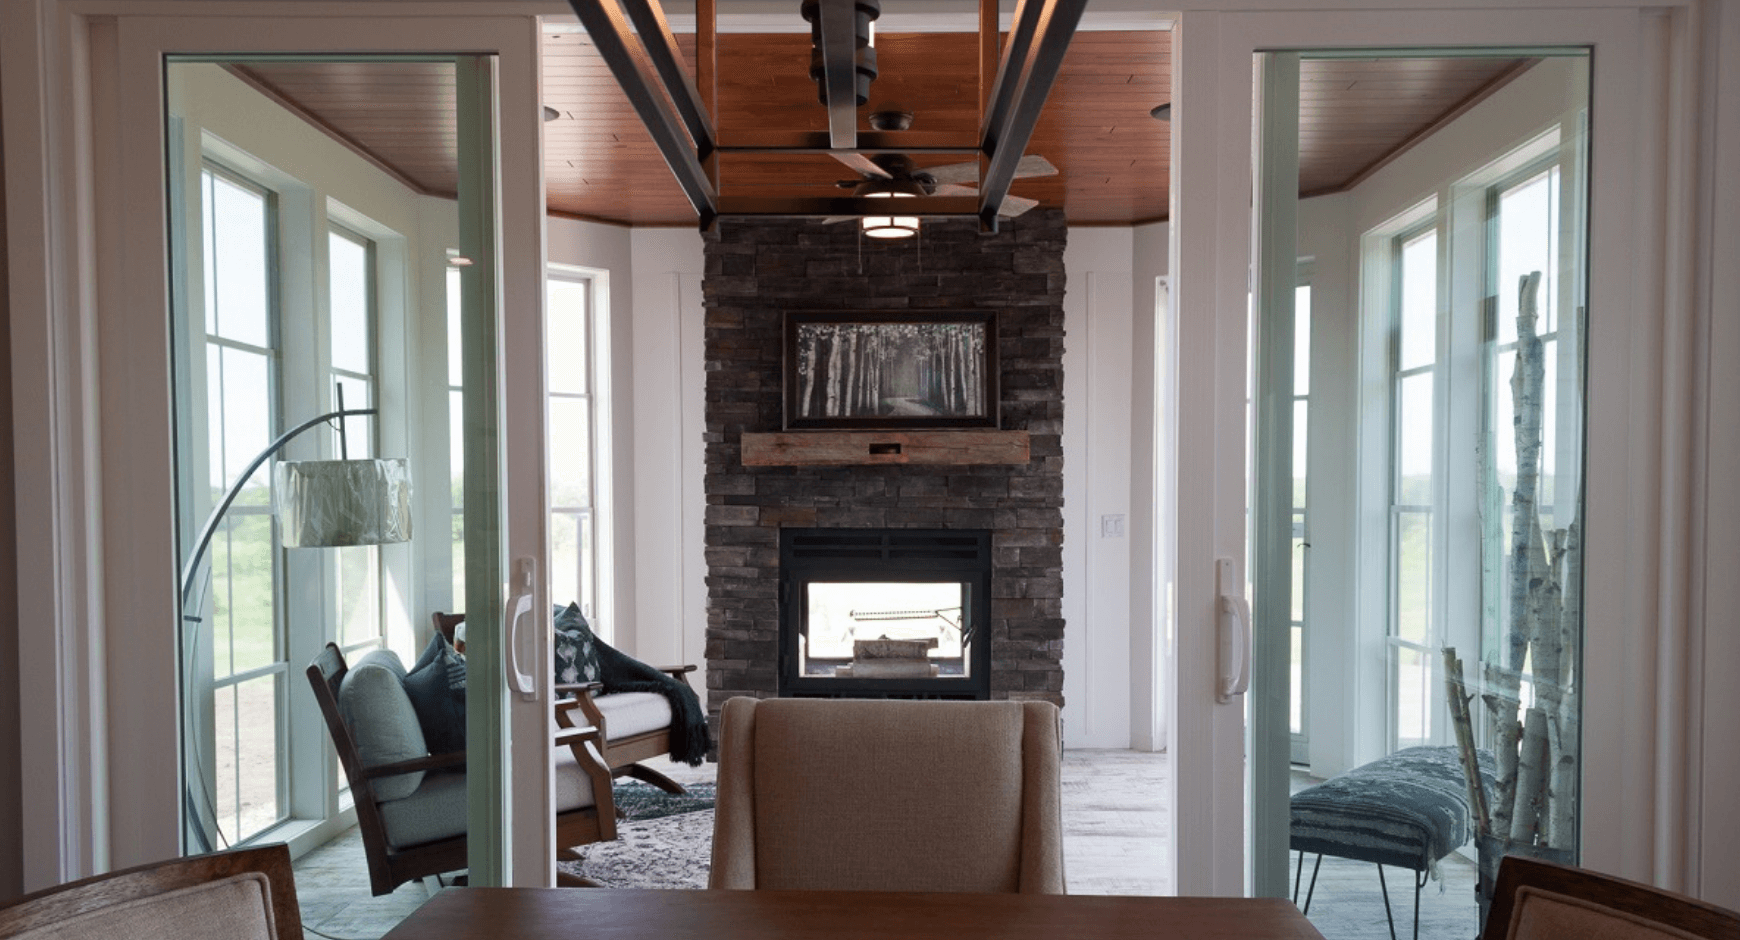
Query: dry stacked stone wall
point(755, 272)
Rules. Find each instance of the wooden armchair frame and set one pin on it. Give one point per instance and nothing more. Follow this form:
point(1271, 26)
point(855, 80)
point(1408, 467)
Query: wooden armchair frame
point(1628, 898)
point(622, 756)
point(390, 867)
point(63, 902)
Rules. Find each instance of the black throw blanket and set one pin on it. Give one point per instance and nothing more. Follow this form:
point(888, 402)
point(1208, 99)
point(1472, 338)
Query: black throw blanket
point(620, 672)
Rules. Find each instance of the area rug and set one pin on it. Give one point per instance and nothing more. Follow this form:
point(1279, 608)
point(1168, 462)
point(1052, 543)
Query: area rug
point(666, 841)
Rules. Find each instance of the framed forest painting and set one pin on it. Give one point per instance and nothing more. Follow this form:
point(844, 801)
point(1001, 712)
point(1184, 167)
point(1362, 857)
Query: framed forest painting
point(890, 370)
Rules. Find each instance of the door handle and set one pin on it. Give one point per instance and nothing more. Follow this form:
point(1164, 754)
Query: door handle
point(1232, 633)
point(519, 609)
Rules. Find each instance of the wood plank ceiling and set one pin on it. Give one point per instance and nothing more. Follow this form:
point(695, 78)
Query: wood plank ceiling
point(1113, 158)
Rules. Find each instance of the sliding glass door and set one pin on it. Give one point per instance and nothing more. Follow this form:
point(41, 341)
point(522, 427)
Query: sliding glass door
point(1456, 289)
point(308, 328)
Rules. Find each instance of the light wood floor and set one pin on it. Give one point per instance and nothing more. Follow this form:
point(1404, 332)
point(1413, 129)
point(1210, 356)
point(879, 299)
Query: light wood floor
point(1116, 831)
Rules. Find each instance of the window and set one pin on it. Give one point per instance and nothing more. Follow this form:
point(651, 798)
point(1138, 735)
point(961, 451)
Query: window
point(1301, 541)
point(573, 443)
point(1414, 352)
point(242, 416)
point(352, 328)
point(456, 436)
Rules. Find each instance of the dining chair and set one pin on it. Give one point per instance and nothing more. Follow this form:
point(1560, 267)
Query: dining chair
point(889, 795)
point(242, 894)
point(1536, 900)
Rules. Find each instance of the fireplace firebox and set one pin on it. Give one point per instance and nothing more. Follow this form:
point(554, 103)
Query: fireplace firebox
point(885, 613)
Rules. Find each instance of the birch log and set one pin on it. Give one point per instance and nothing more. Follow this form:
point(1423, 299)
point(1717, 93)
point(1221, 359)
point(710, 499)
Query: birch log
point(1531, 780)
point(1463, 721)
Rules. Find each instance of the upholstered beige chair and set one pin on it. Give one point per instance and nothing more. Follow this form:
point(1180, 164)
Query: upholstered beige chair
point(849, 794)
point(245, 894)
point(1537, 900)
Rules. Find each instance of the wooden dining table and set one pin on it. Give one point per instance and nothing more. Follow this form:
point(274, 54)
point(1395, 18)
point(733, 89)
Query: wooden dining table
point(643, 914)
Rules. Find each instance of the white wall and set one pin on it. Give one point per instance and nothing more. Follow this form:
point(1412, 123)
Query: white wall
point(1098, 365)
point(669, 374)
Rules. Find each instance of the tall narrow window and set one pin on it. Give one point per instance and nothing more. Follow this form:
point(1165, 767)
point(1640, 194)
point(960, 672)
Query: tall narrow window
point(242, 417)
point(1415, 351)
point(572, 442)
point(351, 306)
point(456, 437)
point(1301, 557)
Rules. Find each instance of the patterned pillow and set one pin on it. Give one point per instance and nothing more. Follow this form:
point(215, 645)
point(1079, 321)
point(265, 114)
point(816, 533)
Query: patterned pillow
point(576, 650)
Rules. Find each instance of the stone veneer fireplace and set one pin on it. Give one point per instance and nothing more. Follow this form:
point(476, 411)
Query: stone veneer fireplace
point(758, 270)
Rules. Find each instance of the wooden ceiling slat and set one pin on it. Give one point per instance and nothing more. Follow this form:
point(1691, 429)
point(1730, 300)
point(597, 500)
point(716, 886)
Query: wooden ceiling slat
point(1112, 157)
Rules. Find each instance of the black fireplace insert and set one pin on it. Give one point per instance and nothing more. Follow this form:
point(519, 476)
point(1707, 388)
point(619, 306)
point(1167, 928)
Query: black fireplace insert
point(885, 613)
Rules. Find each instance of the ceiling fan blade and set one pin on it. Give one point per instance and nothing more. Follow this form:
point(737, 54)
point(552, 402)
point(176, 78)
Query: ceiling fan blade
point(862, 164)
point(1015, 205)
point(955, 172)
point(835, 219)
point(950, 189)
point(1034, 165)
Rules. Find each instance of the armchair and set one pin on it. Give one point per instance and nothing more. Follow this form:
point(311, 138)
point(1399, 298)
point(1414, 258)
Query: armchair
point(411, 805)
point(632, 726)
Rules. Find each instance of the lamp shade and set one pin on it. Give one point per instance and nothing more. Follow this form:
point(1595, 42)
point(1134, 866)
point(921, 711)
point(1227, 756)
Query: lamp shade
point(331, 503)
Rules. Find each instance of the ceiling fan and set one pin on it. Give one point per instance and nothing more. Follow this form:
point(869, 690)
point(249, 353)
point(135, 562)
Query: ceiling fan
point(894, 174)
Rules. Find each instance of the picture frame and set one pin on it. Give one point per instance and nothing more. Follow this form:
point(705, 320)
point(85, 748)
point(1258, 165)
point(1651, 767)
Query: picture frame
point(883, 370)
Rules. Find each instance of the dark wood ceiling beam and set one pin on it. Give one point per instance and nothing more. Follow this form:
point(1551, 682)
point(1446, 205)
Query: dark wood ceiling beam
point(1029, 79)
point(1002, 93)
point(661, 47)
point(829, 206)
point(609, 30)
point(840, 70)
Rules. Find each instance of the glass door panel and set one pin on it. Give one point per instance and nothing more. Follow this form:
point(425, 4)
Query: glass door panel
point(1465, 418)
point(312, 324)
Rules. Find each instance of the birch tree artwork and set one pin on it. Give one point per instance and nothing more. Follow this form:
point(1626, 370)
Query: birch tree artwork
point(907, 370)
point(1529, 688)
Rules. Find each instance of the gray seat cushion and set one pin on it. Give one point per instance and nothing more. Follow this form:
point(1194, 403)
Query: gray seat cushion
point(437, 809)
point(627, 714)
point(1409, 809)
point(382, 721)
point(235, 908)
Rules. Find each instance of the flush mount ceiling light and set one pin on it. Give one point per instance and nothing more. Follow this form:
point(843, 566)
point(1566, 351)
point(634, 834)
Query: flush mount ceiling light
point(1016, 73)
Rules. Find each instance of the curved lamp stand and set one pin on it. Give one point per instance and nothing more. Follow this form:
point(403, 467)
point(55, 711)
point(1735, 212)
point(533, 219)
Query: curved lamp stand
point(316, 486)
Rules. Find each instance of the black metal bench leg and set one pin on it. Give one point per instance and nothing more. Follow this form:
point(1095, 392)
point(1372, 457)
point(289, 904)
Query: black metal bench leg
point(1313, 889)
point(1386, 890)
point(1298, 873)
point(1419, 885)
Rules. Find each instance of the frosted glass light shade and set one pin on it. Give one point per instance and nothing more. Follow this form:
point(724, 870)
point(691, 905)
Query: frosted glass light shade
point(332, 503)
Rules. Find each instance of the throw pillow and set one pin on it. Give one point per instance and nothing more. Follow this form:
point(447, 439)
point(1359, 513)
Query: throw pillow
point(382, 720)
point(576, 650)
point(436, 687)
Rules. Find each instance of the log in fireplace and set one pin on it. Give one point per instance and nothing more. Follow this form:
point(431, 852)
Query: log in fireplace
point(885, 613)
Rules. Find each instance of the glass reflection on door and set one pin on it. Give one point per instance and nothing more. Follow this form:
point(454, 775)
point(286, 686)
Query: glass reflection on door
point(306, 279)
point(1453, 449)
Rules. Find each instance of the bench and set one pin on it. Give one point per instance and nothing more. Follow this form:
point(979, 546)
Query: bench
point(1407, 810)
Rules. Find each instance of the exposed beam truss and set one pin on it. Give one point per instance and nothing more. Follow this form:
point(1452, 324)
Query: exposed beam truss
point(635, 40)
point(659, 88)
point(1037, 43)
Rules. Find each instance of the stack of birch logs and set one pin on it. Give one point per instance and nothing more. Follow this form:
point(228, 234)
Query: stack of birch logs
point(1531, 808)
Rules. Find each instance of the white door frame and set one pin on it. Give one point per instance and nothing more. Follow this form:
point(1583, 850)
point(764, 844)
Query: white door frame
point(84, 176)
point(1636, 779)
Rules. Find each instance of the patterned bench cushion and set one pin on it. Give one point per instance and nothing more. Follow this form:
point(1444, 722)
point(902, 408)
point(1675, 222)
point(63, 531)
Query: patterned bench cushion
point(1409, 809)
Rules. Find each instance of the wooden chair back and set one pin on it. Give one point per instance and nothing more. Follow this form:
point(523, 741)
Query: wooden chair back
point(326, 674)
point(445, 624)
point(58, 905)
point(1532, 898)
